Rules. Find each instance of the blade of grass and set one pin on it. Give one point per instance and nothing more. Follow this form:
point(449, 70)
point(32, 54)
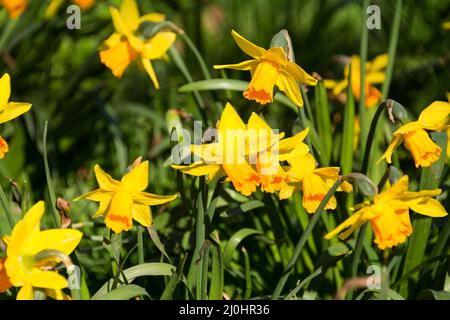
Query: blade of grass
point(393, 41)
point(301, 243)
point(50, 185)
point(362, 96)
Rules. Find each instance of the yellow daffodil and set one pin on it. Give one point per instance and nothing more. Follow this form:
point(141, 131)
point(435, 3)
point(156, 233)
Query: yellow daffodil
point(14, 7)
point(269, 68)
point(226, 156)
point(8, 110)
point(26, 241)
point(125, 200)
point(268, 150)
point(389, 214)
point(249, 155)
point(446, 25)
point(424, 151)
point(125, 45)
point(374, 75)
point(314, 182)
point(56, 4)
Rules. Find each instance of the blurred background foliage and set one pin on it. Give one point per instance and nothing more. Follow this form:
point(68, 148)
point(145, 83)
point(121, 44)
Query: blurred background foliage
point(96, 118)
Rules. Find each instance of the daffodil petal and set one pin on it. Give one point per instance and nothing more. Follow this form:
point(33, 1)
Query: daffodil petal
point(129, 14)
point(198, 169)
point(150, 71)
point(396, 140)
point(64, 240)
point(13, 110)
point(5, 91)
point(49, 280)
point(151, 199)
point(137, 179)
point(153, 17)
point(435, 116)
point(142, 214)
point(157, 46)
point(299, 74)
point(344, 225)
point(288, 85)
point(375, 77)
point(248, 47)
point(104, 180)
point(427, 206)
point(244, 65)
point(26, 292)
point(380, 62)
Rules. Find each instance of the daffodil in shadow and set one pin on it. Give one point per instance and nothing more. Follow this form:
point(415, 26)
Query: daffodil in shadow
point(269, 68)
point(126, 44)
point(388, 214)
point(22, 265)
point(374, 75)
point(424, 151)
point(8, 110)
point(125, 200)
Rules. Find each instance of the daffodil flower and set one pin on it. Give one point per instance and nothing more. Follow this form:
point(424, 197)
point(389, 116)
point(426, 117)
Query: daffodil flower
point(14, 7)
point(269, 149)
point(226, 156)
point(125, 45)
point(314, 182)
point(269, 68)
point(125, 200)
point(374, 75)
point(248, 155)
point(424, 151)
point(8, 110)
point(388, 214)
point(26, 241)
point(55, 4)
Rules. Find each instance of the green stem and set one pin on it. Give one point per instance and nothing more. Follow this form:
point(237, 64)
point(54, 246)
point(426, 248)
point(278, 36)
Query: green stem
point(304, 125)
point(301, 243)
point(363, 57)
point(200, 239)
point(140, 231)
point(6, 207)
point(392, 48)
point(371, 135)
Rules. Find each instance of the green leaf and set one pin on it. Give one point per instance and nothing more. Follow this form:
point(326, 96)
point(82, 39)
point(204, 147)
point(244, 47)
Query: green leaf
point(418, 241)
point(217, 276)
point(346, 160)
point(429, 294)
point(234, 242)
point(232, 85)
point(245, 207)
point(123, 293)
point(142, 270)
